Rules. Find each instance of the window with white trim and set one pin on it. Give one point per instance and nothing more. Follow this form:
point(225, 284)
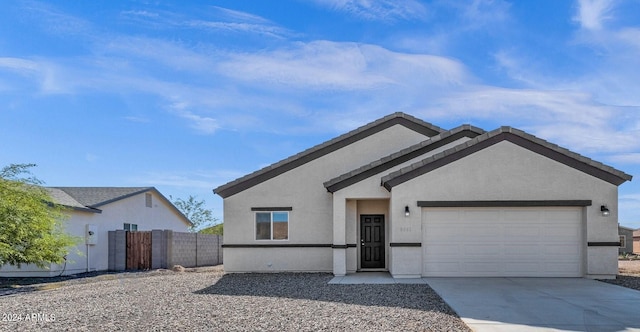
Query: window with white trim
point(272, 225)
point(623, 241)
point(130, 227)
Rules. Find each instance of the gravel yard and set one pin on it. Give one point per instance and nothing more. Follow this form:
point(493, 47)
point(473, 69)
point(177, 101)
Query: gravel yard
point(210, 300)
point(628, 275)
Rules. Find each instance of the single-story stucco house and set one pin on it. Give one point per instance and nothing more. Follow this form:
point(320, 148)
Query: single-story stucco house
point(405, 196)
point(93, 212)
point(636, 241)
point(626, 239)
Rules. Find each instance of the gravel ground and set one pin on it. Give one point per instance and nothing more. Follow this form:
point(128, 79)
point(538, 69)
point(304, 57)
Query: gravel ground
point(628, 275)
point(210, 300)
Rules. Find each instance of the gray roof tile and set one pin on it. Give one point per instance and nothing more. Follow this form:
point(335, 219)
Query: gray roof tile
point(399, 157)
point(97, 196)
point(516, 136)
point(322, 149)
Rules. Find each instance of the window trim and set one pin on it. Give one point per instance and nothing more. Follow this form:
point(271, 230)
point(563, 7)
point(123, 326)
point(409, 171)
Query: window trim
point(271, 212)
point(623, 241)
point(131, 227)
point(148, 200)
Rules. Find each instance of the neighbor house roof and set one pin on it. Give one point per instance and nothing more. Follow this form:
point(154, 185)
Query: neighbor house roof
point(60, 197)
point(325, 148)
point(402, 156)
point(626, 228)
point(98, 196)
point(517, 137)
point(91, 198)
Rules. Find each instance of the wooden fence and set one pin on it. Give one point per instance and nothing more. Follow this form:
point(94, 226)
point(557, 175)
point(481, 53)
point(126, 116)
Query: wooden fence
point(138, 250)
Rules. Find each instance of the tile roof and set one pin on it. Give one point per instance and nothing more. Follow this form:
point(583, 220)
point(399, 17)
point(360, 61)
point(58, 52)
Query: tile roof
point(402, 156)
point(98, 196)
point(62, 198)
point(515, 136)
point(91, 198)
point(327, 147)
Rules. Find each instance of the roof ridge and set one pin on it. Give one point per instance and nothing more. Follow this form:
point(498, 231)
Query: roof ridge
point(94, 197)
point(401, 153)
point(507, 130)
point(326, 147)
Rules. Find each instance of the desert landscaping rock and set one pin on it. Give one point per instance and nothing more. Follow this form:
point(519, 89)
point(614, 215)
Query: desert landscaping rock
point(629, 275)
point(210, 300)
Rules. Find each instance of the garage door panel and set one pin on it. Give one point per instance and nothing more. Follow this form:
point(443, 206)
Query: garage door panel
point(481, 249)
point(476, 215)
point(522, 215)
point(502, 242)
point(445, 249)
point(516, 231)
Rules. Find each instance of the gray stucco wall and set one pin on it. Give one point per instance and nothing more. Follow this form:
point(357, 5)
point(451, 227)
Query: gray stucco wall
point(311, 218)
point(506, 171)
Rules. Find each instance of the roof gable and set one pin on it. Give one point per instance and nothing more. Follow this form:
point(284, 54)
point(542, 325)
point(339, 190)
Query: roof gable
point(98, 196)
point(514, 136)
point(325, 148)
point(402, 156)
point(90, 198)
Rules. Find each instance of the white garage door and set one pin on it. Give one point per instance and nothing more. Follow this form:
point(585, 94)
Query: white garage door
point(518, 242)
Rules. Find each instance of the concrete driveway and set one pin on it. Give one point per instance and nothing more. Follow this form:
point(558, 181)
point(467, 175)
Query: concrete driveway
point(533, 304)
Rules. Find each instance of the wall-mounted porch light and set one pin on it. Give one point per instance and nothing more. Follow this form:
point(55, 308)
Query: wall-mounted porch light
point(604, 210)
point(406, 211)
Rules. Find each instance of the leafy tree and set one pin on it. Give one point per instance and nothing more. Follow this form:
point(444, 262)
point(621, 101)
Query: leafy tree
point(31, 225)
point(194, 210)
point(217, 229)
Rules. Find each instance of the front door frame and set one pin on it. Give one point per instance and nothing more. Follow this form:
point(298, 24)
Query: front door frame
point(380, 244)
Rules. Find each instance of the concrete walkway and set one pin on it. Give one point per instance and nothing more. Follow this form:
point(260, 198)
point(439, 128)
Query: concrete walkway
point(535, 304)
point(374, 278)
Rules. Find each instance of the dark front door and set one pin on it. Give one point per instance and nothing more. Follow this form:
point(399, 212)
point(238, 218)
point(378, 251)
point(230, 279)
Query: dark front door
point(372, 241)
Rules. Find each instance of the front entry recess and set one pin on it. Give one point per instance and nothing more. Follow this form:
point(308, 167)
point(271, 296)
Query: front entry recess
point(372, 241)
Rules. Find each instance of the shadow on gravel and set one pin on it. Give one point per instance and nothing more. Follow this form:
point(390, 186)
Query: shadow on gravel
point(314, 286)
point(10, 282)
point(629, 281)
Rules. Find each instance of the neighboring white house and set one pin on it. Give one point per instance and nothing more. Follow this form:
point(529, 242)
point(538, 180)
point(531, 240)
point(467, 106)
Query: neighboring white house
point(99, 210)
point(405, 196)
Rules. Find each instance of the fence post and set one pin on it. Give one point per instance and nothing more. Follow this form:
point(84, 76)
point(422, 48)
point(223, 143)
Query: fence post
point(120, 252)
point(170, 259)
point(157, 249)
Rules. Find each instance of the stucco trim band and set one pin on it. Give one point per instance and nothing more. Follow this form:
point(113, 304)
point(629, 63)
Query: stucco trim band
point(603, 244)
point(400, 244)
point(532, 203)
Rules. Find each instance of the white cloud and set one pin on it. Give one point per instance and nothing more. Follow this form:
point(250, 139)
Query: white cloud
point(593, 13)
point(203, 179)
point(238, 16)
point(262, 29)
point(203, 124)
point(481, 13)
point(20, 65)
point(378, 10)
point(342, 66)
point(90, 157)
point(627, 158)
point(137, 119)
point(570, 119)
point(223, 20)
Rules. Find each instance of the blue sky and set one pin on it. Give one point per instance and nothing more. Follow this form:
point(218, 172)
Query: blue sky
point(188, 95)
